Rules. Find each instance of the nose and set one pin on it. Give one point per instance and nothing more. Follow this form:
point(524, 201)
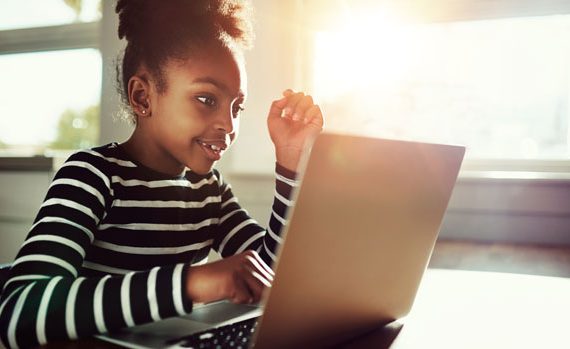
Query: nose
point(226, 122)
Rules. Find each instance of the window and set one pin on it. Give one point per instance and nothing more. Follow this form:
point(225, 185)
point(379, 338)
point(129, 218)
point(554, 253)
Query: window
point(19, 14)
point(51, 68)
point(500, 86)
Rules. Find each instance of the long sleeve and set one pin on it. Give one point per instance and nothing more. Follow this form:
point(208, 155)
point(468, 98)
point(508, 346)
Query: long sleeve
point(46, 299)
point(112, 242)
point(238, 232)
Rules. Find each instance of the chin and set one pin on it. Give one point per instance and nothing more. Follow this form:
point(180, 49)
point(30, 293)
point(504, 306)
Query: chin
point(203, 169)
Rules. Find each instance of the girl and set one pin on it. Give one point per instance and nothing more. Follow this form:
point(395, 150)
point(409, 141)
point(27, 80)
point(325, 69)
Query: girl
point(123, 228)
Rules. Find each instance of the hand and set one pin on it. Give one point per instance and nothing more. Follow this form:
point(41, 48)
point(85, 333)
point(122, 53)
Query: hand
point(293, 121)
point(240, 278)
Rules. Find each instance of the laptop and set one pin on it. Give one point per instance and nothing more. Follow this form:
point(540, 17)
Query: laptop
point(359, 238)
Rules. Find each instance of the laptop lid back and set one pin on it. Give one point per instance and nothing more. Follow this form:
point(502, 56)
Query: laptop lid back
point(360, 236)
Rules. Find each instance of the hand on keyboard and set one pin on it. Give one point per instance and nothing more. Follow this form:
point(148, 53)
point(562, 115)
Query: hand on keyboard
point(240, 278)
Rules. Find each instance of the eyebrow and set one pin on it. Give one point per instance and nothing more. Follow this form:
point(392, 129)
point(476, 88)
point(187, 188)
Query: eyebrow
point(217, 83)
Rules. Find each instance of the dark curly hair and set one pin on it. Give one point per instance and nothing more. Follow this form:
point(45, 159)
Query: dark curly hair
point(158, 30)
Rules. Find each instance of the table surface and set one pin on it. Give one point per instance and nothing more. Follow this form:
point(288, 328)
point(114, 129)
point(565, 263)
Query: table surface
point(467, 309)
point(470, 309)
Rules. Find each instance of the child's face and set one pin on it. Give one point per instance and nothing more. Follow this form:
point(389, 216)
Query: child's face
point(197, 118)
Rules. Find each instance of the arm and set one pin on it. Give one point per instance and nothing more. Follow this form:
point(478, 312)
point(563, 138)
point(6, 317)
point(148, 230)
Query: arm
point(239, 232)
point(248, 250)
point(45, 300)
point(293, 121)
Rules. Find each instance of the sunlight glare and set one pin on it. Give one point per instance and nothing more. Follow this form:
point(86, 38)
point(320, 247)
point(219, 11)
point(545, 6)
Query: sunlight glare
point(499, 86)
point(368, 50)
point(42, 85)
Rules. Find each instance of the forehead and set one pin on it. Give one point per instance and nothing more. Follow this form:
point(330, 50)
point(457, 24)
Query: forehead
point(213, 65)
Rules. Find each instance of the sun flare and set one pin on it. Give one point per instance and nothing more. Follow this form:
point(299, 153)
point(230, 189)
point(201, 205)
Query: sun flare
point(366, 50)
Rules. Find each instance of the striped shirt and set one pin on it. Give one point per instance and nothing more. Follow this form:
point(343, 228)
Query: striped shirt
point(112, 242)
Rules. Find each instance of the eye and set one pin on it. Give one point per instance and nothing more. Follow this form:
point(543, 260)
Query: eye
point(207, 100)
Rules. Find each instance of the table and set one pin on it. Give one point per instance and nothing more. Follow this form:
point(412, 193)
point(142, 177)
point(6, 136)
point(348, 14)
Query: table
point(470, 309)
point(467, 309)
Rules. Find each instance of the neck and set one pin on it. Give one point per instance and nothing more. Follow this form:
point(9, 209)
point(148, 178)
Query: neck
point(143, 150)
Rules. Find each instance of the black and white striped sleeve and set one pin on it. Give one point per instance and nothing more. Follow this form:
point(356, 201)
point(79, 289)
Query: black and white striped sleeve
point(239, 232)
point(44, 299)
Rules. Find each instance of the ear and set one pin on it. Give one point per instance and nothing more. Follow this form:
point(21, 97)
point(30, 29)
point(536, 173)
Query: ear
point(139, 95)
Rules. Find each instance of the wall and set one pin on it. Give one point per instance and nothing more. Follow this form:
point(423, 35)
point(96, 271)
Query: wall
point(512, 210)
point(20, 198)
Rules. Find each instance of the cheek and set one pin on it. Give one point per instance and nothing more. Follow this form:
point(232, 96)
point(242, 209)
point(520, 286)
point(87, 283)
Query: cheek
point(183, 117)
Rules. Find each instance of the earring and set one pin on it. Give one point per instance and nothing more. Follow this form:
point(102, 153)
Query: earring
point(143, 111)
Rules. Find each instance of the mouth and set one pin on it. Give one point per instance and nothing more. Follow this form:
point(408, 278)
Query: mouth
point(213, 149)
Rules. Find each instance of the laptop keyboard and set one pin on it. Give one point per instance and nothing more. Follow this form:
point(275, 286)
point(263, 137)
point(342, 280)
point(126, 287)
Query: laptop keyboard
point(236, 335)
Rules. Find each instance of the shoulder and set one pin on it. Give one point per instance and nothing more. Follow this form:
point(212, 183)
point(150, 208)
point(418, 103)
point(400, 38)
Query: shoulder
point(102, 156)
point(99, 162)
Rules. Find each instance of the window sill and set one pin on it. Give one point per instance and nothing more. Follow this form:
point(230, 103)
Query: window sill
point(489, 176)
point(26, 164)
point(514, 176)
point(49, 163)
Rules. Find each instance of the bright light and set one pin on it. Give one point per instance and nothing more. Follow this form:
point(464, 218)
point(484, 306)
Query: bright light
point(40, 86)
point(17, 14)
point(368, 50)
point(498, 86)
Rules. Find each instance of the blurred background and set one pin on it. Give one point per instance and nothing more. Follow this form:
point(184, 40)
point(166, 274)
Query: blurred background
point(491, 75)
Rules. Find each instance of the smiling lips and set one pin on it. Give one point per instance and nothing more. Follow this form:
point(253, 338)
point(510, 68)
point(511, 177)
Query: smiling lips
point(213, 148)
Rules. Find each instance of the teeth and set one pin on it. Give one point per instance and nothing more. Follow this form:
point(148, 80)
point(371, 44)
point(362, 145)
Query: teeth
point(211, 146)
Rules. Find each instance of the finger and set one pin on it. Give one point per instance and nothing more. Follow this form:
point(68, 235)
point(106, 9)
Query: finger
point(292, 102)
point(276, 109)
point(304, 104)
point(263, 264)
point(314, 116)
point(256, 283)
point(288, 92)
point(260, 281)
point(256, 266)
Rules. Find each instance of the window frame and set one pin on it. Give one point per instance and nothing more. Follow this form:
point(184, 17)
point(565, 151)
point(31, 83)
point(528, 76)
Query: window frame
point(77, 35)
point(469, 10)
point(51, 38)
point(474, 10)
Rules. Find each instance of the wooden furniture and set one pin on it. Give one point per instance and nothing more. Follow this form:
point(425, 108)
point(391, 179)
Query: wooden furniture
point(467, 309)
